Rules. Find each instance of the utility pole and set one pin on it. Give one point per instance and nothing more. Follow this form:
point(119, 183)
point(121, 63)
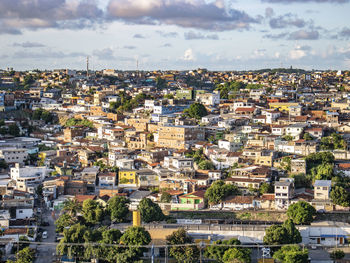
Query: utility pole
point(166, 254)
point(87, 67)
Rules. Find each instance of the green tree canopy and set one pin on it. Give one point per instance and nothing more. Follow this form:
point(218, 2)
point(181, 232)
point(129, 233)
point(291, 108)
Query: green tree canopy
point(282, 234)
point(237, 255)
point(301, 212)
point(92, 212)
point(72, 206)
point(206, 165)
point(337, 254)
point(14, 130)
point(266, 188)
point(340, 196)
point(65, 220)
point(118, 208)
point(165, 197)
point(75, 234)
point(186, 254)
point(219, 190)
point(291, 254)
point(217, 252)
point(150, 211)
point(196, 110)
point(79, 122)
point(25, 255)
point(136, 236)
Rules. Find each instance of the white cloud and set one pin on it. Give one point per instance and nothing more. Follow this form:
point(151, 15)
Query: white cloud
point(188, 55)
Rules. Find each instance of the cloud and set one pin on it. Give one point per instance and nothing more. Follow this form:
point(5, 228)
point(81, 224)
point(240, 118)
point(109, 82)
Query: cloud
point(16, 15)
point(129, 47)
point(345, 33)
point(45, 54)
point(167, 34)
point(287, 20)
point(306, 1)
point(104, 54)
point(191, 35)
point(310, 34)
point(269, 12)
point(188, 55)
point(166, 45)
point(138, 36)
point(199, 14)
point(304, 35)
point(276, 36)
point(28, 44)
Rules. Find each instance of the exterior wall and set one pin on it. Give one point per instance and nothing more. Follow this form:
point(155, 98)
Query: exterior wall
point(127, 178)
point(23, 213)
point(14, 155)
point(321, 193)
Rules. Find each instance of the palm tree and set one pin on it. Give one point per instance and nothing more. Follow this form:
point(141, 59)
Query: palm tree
point(72, 206)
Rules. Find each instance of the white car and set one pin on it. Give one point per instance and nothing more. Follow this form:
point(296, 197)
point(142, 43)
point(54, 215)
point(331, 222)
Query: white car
point(44, 235)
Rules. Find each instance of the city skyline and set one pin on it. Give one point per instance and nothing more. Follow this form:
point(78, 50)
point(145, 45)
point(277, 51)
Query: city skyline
point(179, 34)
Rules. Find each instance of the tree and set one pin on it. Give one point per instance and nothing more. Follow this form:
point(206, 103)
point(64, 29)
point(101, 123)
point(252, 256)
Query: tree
point(23, 245)
point(301, 212)
point(282, 234)
point(25, 255)
point(109, 253)
point(3, 164)
point(237, 255)
point(337, 254)
point(165, 197)
point(14, 130)
point(71, 206)
point(286, 163)
point(340, 196)
point(118, 208)
point(136, 236)
point(217, 250)
point(75, 234)
point(218, 191)
point(300, 180)
point(266, 188)
point(293, 232)
point(65, 220)
point(186, 254)
point(315, 159)
point(206, 165)
point(196, 110)
point(291, 254)
point(276, 235)
point(92, 212)
point(161, 83)
point(307, 137)
point(150, 211)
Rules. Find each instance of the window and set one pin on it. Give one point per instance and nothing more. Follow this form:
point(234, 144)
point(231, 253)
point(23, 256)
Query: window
point(20, 211)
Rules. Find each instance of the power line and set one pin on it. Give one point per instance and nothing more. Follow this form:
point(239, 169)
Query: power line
point(149, 246)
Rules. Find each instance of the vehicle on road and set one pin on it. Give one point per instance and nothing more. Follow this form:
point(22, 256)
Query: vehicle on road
point(44, 235)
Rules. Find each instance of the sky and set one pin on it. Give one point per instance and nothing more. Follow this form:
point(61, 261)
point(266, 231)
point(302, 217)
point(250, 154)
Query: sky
point(175, 34)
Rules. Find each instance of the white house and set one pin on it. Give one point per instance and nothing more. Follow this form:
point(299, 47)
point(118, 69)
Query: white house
point(14, 155)
point(28, 177)
point(107, 180)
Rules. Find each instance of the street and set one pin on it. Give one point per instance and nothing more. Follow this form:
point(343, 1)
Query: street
point(45, 253)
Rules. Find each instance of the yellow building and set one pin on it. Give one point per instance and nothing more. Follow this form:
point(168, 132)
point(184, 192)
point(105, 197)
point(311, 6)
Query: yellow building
point(128, 178)
point(179, 137)
point(282, 106)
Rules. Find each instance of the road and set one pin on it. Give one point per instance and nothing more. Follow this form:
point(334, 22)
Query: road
point(45, 253)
